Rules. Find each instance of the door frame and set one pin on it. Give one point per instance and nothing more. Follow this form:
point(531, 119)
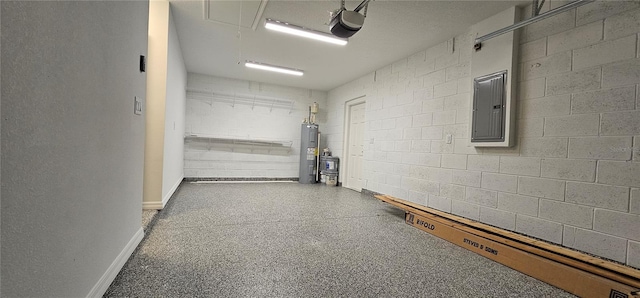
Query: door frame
point(345, 141)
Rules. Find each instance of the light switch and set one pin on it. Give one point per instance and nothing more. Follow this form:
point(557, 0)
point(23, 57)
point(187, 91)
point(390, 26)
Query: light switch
point(137, 105)
point(449, 138)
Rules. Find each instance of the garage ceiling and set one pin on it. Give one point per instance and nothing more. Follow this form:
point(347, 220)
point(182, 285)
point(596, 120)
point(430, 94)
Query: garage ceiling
point(212, 42)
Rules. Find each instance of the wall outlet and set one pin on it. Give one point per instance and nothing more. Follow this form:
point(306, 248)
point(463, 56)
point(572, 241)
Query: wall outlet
point(137, 105)
point(449, 138)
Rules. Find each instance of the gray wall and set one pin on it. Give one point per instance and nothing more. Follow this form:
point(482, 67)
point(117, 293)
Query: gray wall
point(0, 162)
point(72, 149)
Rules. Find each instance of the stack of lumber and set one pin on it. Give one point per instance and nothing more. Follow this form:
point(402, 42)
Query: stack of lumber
point(570, 270)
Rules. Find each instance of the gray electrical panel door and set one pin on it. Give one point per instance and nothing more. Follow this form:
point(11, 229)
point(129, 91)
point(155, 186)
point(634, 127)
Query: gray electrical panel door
point(488, 123)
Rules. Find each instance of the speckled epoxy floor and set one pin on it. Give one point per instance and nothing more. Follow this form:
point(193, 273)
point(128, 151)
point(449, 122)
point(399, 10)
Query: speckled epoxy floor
point(147, 218)
point(292, 240)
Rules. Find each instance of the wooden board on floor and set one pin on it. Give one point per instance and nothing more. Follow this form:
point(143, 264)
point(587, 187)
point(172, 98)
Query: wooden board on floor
point(514, 238)
point(537, 247)
point(572, 280)
point(571, 274)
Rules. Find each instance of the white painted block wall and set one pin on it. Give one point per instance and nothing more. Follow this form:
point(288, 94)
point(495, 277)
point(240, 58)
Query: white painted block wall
point(573, 177)
point(173, 157)
point(244, 121)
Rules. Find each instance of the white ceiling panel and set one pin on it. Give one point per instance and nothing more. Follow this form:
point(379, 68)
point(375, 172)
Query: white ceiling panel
point(392, 30)
point(232, 13)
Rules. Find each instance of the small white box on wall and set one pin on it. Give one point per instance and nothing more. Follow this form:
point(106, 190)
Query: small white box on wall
point(494, 81)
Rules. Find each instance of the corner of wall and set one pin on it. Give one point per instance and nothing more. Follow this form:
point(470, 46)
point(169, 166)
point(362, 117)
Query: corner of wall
point(175, 115)
point(107, 278)
point(157, 76)
point(577, 99)
point(224, 132)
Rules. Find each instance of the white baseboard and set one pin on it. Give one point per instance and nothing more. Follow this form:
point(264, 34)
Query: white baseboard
point(107, 278)
point(173, 189)
point(152, 206)
point(165, 200)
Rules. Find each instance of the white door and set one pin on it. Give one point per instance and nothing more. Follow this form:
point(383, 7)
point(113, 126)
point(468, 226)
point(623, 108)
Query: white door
point(355, 146)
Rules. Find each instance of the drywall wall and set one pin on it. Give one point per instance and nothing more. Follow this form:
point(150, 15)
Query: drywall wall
point(165, 109)
point(173, 161)
point(72, 148)
point(573, 175)
point(0, 162)
point(274, 116)
point(156, 103)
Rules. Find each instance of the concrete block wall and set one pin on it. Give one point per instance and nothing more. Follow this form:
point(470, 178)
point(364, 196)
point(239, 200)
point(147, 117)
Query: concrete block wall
point(573, 176)
point(219, 119)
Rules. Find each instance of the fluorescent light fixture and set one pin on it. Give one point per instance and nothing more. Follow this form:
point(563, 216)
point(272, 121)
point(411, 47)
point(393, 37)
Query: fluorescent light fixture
point(280, 69)
point(304, 32)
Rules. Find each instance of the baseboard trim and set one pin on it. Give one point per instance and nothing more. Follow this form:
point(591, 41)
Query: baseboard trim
point(370, 192)
point(240, 179)
point(173, 189)
point(107, 278)
point(165, 199)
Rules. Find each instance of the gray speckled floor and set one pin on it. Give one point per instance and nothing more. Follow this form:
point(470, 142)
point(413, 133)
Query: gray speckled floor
point(147, 218)
point(292, 240)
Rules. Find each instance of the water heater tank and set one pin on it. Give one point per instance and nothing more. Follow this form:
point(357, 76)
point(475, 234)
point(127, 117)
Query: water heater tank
point(308, 153)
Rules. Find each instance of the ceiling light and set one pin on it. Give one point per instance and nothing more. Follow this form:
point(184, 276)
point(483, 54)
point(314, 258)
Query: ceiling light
point(280, 69)
point(303, 32)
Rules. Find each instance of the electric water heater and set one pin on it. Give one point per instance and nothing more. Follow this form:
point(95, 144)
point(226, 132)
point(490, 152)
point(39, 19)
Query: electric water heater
point(308, 153)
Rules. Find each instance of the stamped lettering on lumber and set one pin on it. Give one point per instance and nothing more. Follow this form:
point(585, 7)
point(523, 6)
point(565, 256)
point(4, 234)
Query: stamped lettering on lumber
point(480, 246)
point(410, 219)
point(426, 224)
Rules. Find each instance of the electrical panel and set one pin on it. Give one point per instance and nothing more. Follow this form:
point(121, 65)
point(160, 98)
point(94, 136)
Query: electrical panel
point(488, 115)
